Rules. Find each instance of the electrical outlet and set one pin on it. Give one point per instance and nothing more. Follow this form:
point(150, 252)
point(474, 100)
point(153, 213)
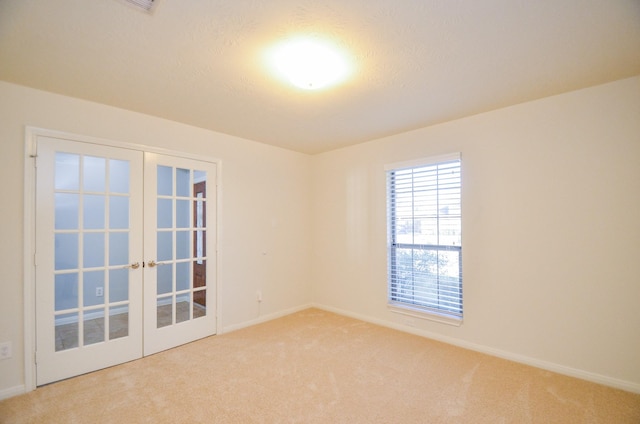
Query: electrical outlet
point(99, 291)
point(5, 350)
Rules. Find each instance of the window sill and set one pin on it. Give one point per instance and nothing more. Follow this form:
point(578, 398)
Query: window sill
point(426, 315)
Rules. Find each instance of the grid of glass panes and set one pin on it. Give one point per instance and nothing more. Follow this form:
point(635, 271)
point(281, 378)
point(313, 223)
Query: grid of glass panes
point(91, 250)
point(181, 245)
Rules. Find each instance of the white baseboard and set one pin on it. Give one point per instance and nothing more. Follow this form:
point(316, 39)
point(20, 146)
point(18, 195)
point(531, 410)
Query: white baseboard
point(523, 359)
point(265, 318)
point(12, 391)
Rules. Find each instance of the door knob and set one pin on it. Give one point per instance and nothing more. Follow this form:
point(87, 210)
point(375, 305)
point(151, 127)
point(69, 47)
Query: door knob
point(133, 266)
point(151, 264)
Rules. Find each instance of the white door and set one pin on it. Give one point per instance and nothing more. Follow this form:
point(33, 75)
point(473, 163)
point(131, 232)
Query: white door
point(179, 304)
point(116, 277)
point(88, 242)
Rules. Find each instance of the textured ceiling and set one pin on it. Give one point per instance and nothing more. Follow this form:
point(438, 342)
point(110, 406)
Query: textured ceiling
point(418, 62)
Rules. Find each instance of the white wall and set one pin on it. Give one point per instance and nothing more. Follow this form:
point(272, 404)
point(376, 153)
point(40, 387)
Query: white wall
point(551, 231)
point(265, 208)
point(551, 235)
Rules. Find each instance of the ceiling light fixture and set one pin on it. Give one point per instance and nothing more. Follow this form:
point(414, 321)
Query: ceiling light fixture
point(309, 63)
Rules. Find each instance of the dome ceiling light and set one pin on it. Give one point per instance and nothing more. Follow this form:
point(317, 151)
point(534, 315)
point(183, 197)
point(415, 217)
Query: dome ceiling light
point(309, 63)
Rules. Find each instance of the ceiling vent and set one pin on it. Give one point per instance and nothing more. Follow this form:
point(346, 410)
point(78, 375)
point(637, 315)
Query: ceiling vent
point(146, 5)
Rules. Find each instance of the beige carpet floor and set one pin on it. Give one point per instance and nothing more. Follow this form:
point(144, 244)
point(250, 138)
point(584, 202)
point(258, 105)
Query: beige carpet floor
point(318, 367)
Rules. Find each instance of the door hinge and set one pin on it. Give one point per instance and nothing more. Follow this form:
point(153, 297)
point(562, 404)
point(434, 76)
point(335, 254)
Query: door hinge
point(35, 357)
point(35, 259)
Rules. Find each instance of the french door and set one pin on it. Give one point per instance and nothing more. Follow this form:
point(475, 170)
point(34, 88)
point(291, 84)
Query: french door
point(122, 270)
point(179, 301)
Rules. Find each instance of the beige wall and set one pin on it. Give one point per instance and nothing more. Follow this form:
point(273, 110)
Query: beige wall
point(265, 208)
point(551, 231)
point(551, 236)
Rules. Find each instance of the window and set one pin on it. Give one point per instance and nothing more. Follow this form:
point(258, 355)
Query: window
point(425, 236)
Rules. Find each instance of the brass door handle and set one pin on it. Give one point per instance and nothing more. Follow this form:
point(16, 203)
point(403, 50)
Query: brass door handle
point(133, 266)
point(151, 264)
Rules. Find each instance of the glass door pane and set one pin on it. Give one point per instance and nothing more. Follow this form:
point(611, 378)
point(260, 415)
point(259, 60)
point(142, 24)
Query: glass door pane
point(180, 233)
point(90, 251)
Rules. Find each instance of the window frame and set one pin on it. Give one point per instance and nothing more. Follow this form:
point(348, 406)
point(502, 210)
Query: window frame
point(396, 303)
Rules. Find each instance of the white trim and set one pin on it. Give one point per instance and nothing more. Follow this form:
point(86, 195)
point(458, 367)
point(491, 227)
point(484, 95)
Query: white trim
point(12, 391)
point(29, 261)
point(629, 386)
point(218, 227)
point(422, 162)
point(35, 131)
point(266, 318)
point(30, 160)
point(442, 318)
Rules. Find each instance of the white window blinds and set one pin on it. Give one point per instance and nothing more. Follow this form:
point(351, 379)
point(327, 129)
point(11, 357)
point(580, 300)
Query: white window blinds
point(425, 236)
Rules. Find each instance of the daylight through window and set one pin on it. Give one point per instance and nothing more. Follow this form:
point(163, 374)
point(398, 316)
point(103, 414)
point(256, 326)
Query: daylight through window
point(425, 236)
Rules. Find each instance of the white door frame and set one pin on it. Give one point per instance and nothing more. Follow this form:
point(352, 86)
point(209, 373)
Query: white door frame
point(29, 253)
